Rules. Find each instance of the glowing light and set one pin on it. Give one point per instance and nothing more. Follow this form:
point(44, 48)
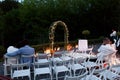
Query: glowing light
point(69, 47)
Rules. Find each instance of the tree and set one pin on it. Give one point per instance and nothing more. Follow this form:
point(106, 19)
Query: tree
point(8, 20)
point(8, 5)
point(34, 17)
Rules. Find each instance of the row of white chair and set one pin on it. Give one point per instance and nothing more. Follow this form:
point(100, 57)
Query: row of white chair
point(42, 68)
point(104, 73)
point(104, 69)
point(8, 60)
point(65, 66)
point(20, 70)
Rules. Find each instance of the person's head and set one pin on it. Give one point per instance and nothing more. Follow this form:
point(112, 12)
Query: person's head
point(106, 40)
point(23, 43)
point(113, 29)
point(11, 49)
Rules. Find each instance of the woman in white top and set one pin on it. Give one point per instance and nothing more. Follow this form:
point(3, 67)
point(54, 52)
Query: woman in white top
point(105, 50)
point(10, 50)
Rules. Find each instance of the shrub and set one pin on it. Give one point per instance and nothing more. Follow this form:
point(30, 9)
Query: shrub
point(2, 52)
point(86, 33)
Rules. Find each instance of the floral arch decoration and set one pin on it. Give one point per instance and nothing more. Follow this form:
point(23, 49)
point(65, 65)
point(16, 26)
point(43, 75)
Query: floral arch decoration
point(52, 31)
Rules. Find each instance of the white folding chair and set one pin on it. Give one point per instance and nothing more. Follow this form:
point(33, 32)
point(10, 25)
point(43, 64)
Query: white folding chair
point(71, 78)
point(42, 58)
point(58, 54)
point(20, 70)
point(59, 67)
point(27, 58)
point(67, 60)
point(89, 64)
point(42, 69)
point(108, 74)
point(91, 76)
point(7, 61)
point(103, 70)
point(76, 66)
point(116, 68)
point(99, 63)
point(81, 76)
point(83, 45)
point(94, 74)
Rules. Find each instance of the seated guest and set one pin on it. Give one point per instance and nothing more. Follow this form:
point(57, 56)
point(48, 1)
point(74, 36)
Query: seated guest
point(24, 49)
point(11, 49)
point(105, 50)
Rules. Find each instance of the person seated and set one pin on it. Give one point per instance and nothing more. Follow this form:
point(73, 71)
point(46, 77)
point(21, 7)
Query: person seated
point(105, 50)
point(10, 50)
point(24, 49)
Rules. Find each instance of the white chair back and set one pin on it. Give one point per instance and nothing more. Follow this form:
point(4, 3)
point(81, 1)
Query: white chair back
point(58, 67)
point(27, 58)
point(42, 69)
point(9, 60)
point(20, 70)
point(81, 76)
point(42, 56)
point(82, 44)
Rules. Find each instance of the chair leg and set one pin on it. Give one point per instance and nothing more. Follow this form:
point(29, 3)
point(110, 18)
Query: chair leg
point(29, 77)
point(70, 72)
point(74, 72)
point(56, 76)
point(51, 76)
point(5, 71)
point(34, 77)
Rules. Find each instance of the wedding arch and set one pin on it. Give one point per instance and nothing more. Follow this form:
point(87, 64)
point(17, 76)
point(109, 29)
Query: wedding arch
point(52, 32)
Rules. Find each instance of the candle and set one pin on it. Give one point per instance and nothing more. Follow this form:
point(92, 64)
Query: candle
point(47, 51)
